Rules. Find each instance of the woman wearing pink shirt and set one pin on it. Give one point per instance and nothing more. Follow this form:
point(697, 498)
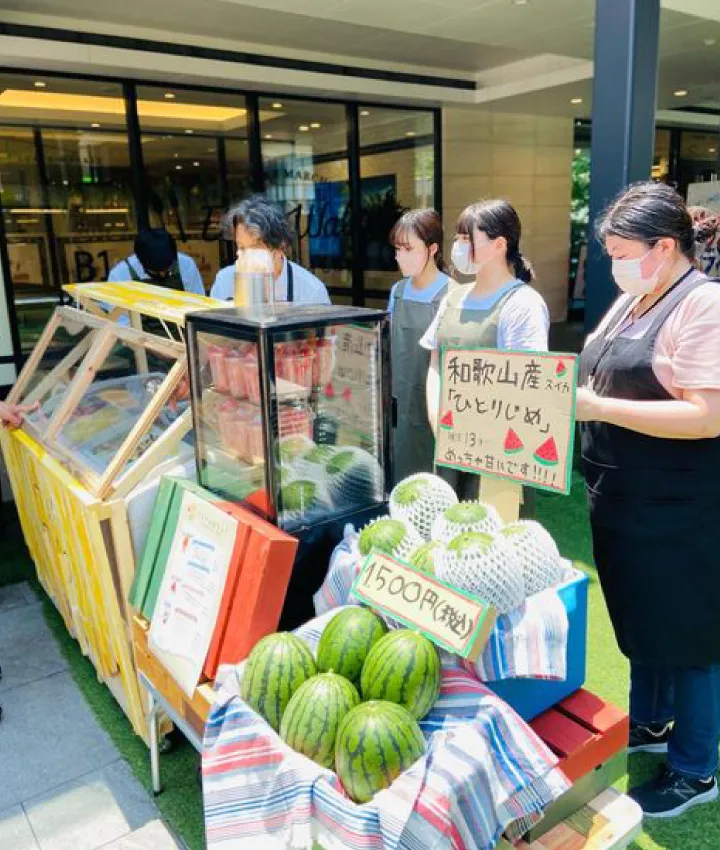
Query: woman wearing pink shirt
point(650, 404)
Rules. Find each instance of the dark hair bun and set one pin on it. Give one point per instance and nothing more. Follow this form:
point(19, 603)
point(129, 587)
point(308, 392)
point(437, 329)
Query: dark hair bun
point(523, 269)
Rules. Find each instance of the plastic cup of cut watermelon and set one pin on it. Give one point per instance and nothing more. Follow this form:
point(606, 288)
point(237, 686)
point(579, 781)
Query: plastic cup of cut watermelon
point(252, 379)
point(235, 367)
point(323, 362)
point(250, 442)
point(218, 371)
point(226, 414)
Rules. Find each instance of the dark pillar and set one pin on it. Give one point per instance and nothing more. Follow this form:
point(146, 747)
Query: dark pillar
point(623, 122)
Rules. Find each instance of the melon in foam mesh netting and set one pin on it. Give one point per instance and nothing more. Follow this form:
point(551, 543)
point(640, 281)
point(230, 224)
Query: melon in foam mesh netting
point(490, 571)
point(537, 554)
point(420, 499)
point(361, 483)
point(444, 529)
point(409, 544)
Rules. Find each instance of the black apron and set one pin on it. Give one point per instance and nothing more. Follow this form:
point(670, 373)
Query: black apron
point(654, 509)
point(414, 441)
point(172, 281)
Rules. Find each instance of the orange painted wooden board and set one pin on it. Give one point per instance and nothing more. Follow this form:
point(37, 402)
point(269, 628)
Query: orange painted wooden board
point(583, 731)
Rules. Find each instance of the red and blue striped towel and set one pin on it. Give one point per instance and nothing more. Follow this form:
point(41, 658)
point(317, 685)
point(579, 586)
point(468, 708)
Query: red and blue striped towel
point(484, 769)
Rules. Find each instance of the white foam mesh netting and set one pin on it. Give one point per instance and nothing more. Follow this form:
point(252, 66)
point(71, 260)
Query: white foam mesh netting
point(491, 573)
point(409, 543)
point(537, 554)
point(444, 530)
point(434, 496)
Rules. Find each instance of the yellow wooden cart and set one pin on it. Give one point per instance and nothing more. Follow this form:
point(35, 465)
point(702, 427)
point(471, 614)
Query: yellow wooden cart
point(112, 414)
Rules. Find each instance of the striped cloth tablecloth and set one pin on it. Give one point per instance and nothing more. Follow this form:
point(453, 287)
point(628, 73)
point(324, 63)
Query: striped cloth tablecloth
point(484, 769)
point(529, 642)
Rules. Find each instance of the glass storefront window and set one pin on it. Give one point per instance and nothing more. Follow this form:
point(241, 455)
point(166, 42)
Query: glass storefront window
point(397, 171)
point(195, 152)
point(305, 159)
point(67, 199)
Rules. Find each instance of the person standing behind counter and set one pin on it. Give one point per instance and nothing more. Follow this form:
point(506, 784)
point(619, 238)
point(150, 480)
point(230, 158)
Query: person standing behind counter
point(414, 301)
point(499, 311)
point(157, 260)
point(256, 223)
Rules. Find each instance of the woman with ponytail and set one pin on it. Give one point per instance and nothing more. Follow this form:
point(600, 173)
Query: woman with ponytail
point(500, 310)
point(417, 238)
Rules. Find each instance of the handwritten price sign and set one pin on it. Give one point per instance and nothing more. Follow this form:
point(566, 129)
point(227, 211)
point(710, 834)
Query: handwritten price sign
point(508, 414)
point(445, 615)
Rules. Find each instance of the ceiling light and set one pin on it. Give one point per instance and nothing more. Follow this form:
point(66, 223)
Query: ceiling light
point(268, 135)
point(211, 150)
point(169, 95)
point(708, 42)
point(577, 151)
point(189, 132)
point(520, 2)
point(315, 125)
point(303, 128)
point(576, 100)
point(95, 125)
point(176, 155)
point(178, 168)
point(196, 164)
point(712, 150)
point(277, 105)
point(39, 84)
point(680, 92)
point(410, 133)
point(365, 113)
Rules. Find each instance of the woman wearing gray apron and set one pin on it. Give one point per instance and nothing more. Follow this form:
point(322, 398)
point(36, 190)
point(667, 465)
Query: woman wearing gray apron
point(499, 311)
point(650, 404)
point(414, 301)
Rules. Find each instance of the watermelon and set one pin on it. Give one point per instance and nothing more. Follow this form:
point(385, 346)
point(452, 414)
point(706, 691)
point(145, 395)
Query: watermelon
point(354, 477)
point(537, 554)
point(320, 454)
point(546, 454)
point(391, 536)
point(346, 641)
point(513, 443)
point(419, 499)
point(274, 670)
point(299, 496)
point(471, 541)
point(465, 516)
point(376, 742)
point(561, 369)
point(311, 719)
point(403, 667)
point(295, 447)
point(423, 558)
point(342, 462)
point(447, 420)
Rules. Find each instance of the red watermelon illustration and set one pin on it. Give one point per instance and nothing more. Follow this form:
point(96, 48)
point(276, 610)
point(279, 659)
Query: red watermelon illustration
point(447, 421)
point(513, 443)
point(561, 369)
point(546, 454)
point(347, 394)
point(329, 390)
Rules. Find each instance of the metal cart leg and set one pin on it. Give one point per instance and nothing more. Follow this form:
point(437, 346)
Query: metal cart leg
point(154, 744)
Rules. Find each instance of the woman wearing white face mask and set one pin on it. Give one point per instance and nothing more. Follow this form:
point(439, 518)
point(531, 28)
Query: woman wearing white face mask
point(499, 311)
point(414, 301)
point(651, 459)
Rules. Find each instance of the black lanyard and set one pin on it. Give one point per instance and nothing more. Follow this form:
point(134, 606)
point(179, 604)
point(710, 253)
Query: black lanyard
point(610, 337)
point(290, 282)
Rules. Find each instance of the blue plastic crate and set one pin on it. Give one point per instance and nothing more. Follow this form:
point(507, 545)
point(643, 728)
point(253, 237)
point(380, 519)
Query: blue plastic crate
point(530, 697)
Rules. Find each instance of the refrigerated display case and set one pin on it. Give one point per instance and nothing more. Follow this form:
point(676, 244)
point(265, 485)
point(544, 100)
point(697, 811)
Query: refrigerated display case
point(291, 408)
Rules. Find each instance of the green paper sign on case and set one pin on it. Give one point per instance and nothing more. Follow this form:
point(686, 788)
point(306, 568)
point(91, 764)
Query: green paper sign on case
point(445, 615)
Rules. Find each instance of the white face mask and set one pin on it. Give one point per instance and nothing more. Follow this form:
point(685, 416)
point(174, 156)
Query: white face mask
point(629, 277)
point(411, 263)
point(461, 258)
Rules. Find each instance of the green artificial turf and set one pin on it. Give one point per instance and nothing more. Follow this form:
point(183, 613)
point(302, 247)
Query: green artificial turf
point(180, 802)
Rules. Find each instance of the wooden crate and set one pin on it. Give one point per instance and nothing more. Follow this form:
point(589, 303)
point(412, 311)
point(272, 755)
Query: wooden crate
point(195, 710)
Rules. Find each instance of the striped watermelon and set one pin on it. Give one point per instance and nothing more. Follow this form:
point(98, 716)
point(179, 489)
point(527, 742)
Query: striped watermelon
point(311, 719)
point(346, 641)
point(403, 667)
point(274, 670)
point(376, 742)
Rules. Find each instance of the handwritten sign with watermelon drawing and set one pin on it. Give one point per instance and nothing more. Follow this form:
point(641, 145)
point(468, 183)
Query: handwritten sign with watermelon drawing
point(508, 414)
point(355, 370)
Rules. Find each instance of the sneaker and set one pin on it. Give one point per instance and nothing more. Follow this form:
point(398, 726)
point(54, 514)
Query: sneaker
point(649, 739)
point(672, 794)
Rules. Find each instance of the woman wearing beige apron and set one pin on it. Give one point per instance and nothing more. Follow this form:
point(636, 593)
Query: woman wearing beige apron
point(501, 310)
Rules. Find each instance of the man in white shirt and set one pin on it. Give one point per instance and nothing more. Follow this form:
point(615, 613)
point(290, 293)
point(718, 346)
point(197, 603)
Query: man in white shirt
point(256, 223)
point(157, 260)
